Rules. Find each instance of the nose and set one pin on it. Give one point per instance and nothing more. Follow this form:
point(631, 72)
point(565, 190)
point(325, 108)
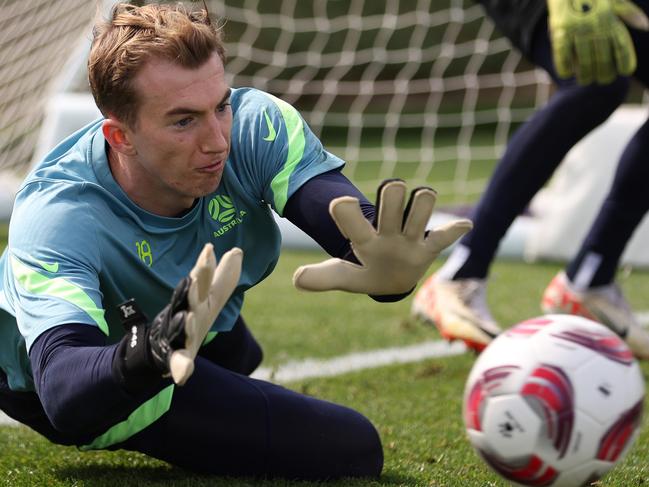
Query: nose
point(215, 137)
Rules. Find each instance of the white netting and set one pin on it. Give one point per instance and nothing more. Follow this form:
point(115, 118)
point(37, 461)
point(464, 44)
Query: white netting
point(36, 38)
point(421, 89)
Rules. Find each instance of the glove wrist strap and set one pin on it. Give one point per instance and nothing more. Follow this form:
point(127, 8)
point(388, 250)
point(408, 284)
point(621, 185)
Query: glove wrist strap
point(133, 366)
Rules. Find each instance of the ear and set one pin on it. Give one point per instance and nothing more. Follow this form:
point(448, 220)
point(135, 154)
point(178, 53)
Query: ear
point(118, 135)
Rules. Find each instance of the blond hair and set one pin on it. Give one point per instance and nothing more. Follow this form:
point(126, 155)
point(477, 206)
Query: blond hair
point(132, 36)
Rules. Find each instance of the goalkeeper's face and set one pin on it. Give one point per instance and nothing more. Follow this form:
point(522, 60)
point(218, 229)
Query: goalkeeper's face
point(181, 138)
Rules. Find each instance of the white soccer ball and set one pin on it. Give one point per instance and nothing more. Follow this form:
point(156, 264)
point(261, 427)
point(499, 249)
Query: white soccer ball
point(554, 401)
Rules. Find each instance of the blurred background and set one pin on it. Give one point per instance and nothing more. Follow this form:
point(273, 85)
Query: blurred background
point(425, 90)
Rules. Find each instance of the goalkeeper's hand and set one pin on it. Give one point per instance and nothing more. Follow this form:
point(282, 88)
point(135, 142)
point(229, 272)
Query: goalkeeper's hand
point(394, 255)
point(168, 346)
point(590, 42)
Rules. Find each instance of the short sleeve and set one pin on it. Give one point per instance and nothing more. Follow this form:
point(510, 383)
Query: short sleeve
point(53, 263)
point(277, 148)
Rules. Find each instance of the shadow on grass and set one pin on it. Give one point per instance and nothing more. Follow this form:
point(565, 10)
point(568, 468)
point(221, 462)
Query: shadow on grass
point(149, 476)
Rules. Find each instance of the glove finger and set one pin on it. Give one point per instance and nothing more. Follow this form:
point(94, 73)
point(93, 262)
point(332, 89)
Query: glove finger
point(201, 275)
point(181, 366)
point(444, 235)
point(195, 331)
point(349, 218)
point(225, 279)
point(624, 52)
point(328, 275)
point(418, 210)
point(605, 70)
point(631, 14)
point(181, 362)
point(562, 54)
point(389, 206)
point(584, 61)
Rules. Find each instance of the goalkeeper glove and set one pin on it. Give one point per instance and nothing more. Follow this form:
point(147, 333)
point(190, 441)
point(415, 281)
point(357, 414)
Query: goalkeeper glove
point(168, 346)
point(590, 42)
point(395, 255)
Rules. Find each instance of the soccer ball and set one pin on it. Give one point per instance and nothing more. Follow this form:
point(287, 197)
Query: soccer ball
point(554, 401)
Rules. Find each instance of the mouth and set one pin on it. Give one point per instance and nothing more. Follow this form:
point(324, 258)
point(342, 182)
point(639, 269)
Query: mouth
point(212, 167)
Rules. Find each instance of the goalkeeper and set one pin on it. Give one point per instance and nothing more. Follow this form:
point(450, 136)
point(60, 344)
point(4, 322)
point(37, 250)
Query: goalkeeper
point(131, 246)
point(591, 49)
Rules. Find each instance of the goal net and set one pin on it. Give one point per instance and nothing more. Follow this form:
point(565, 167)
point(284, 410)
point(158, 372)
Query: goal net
point(37, 37)
point(425, 90)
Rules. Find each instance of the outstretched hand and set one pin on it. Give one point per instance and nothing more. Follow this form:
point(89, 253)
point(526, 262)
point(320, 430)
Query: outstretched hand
point(210, 287)
point(394, 255)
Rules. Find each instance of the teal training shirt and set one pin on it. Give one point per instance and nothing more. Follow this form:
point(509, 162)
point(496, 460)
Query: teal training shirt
point(78, 246)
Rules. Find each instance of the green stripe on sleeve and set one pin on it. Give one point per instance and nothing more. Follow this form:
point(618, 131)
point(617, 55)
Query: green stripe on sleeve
point(211, 335)
point(36, 283)
point(145, 415)
point(296, 144)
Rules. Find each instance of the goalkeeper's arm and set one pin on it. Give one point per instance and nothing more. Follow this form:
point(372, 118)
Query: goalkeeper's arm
point(308, 209)
point(86, 386)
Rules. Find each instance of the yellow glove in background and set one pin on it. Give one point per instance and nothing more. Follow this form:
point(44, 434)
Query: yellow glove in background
point(590, 42)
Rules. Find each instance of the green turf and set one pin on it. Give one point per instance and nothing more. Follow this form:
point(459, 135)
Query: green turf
point(415, 407)
point(294, 324)
point(4, 232)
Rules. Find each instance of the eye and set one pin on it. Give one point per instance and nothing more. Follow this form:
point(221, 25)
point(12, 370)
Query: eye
point(223, 107)
point(182, 123)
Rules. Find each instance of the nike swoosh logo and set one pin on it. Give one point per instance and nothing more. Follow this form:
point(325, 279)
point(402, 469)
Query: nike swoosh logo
point(271, 130)
point(49, 267)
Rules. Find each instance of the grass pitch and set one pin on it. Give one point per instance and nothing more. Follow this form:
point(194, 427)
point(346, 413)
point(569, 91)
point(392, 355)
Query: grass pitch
point(416, 407)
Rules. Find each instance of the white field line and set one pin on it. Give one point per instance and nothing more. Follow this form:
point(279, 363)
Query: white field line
point(311, 368)
point(7, 421)
point(642, 317)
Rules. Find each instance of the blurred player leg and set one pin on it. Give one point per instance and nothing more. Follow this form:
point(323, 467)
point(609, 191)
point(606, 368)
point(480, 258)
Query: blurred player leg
point(532, 155)
point(587, 287)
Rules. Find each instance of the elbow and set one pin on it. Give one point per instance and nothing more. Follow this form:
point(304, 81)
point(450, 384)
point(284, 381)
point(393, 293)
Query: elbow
point(65, 416)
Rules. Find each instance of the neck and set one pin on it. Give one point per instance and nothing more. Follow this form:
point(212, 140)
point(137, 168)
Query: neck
point(145, 191)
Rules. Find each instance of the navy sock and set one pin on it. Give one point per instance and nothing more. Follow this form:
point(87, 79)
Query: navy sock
point(622, 211)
